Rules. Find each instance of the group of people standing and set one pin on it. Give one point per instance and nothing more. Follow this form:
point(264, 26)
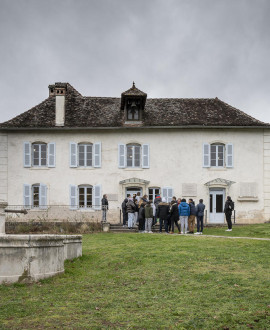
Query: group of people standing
point(140, 211)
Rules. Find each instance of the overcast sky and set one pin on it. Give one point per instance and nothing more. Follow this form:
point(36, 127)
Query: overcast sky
point(170, 48)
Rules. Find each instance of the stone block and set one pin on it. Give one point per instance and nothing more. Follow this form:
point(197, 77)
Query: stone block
point(72, 246)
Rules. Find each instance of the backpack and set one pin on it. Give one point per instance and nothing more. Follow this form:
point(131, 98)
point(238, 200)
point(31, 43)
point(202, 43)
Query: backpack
point(231, 205)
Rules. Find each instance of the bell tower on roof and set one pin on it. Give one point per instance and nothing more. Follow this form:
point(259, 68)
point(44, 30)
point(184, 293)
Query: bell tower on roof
point(133, 103)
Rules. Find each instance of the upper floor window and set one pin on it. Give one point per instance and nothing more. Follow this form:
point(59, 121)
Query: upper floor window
point(85, 154)
point(38, 154)
point(218, 155)
point(35, 196)
point(133, 155)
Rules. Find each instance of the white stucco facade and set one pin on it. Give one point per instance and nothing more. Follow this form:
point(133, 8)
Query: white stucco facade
point(175, 161)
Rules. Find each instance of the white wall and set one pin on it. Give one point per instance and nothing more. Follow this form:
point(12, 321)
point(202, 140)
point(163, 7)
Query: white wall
point(175, 158)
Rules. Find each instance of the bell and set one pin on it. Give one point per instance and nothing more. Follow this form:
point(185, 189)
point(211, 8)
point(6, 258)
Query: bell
point(133, 105)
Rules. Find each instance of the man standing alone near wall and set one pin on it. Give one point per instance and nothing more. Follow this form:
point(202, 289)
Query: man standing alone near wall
point(105, 207)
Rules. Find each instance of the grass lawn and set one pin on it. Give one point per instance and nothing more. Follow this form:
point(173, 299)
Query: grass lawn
point(151, 282)
point(259, 230)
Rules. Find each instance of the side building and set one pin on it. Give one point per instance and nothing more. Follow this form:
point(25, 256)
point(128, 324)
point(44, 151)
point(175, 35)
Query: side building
point(69, 150)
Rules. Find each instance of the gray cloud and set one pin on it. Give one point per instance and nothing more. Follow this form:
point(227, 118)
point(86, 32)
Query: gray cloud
point(172, 48)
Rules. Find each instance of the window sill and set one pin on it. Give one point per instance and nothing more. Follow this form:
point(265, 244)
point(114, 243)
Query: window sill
point(84, 168)
point(217, 168)
point(132, 122)
point(247, 199)
point(36, 209)
point(40, 168)
point(134, 169)
point(86, 210)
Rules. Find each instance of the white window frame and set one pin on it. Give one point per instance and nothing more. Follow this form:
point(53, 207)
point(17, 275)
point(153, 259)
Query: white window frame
point(154, 196)
point(85, 187)
point(217, 145)
point(85, 145)
point(133, 145)
point(39, 144)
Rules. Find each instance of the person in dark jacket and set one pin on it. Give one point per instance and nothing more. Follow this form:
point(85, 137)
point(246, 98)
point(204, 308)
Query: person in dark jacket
point(124, 211)
point(163, 212)
point(200, 213)
point(184, 212)
point(191, 218)
point(228, 208)
point(148, 217)
point(105, 207)
point(157, 200)
point(174, 217)
point(141, 217)
point(131, 211)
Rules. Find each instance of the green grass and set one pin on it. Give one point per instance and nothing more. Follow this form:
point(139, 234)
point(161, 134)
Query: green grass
point(258, 230)
point(149, 282)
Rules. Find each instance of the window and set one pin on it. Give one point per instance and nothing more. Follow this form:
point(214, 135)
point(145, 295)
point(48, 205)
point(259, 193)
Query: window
point(35, 196)
point(153, 193)
point(85, 154)
point(218, 155)
point(133, 110)
point(133, 155)
point(39, 154)
point(85, 196)
point(167, 193)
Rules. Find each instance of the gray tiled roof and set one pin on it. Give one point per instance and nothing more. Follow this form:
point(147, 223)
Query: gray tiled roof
point(106, 112)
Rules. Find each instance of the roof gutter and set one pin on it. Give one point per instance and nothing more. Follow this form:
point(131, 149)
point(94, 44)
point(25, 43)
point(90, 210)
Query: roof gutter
point(127, 128)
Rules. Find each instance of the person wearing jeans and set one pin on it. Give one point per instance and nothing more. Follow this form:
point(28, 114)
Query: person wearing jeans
point(131, 211)
point(148, 210)
point(199, 213)
point(105, 207)
point(184, 212)
point(163, 212)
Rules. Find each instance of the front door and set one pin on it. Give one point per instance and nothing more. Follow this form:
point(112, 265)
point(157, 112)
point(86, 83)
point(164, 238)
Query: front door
point(217, 197)
point(133, 190)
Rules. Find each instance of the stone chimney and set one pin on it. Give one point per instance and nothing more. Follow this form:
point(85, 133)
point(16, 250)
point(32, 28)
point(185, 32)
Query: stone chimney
point(59, 91)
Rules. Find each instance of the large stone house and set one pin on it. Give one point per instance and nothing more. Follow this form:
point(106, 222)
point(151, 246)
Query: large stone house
point(70, 150)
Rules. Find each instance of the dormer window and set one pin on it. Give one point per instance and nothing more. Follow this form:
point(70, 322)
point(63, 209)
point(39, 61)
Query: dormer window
point(132, 104)
point(133, 110)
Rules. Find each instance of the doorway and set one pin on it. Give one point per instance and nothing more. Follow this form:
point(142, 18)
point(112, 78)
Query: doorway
point(216, 205)
point(133, 190)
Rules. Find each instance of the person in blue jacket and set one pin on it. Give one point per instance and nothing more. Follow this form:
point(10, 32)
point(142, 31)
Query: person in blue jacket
point(184, 213)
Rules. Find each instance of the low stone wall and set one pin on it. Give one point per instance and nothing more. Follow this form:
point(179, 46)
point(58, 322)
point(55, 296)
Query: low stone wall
point(72, 246)
point(56, 227)
point(26, 258)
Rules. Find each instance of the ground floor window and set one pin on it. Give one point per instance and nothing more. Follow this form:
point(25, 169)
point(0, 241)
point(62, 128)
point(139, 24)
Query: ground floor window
point(35, 196)
point(153, 193)
point(85, 196)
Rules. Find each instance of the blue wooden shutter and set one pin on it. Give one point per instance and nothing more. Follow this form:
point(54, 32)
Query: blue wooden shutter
point(145, 156)
point(206, 155)
point(97, 154)
point(121, 155)
point(97, 197)
point(73, 154)
point(73, 193)
point(229, 155)
point(51, 154)
point(27, 154)
point(42, 196)
point(27, 196)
